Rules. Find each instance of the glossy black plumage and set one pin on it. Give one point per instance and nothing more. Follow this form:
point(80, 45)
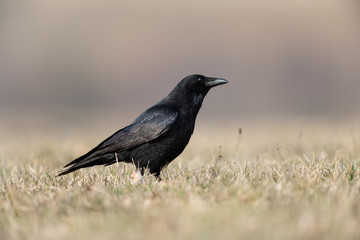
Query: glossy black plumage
point(158, 135)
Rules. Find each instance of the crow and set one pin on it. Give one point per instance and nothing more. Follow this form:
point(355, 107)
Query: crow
point(158, 135)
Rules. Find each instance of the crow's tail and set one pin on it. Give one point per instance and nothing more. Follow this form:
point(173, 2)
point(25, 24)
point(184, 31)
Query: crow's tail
point(101, 160)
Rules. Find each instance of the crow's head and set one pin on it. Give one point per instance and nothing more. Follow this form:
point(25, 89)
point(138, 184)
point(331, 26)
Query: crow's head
point(192, 90)
point(199, 84)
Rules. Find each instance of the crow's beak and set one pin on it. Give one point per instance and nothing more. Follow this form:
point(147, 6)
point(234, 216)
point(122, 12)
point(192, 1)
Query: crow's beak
point(212, 82)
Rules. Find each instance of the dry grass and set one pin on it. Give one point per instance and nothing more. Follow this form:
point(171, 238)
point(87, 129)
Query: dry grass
point(279, 184)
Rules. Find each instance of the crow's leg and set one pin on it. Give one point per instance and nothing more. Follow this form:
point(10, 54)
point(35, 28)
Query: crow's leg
point(156, 173)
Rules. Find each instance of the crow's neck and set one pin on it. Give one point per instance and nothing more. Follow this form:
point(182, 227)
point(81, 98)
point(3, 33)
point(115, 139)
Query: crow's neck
point(186, 102)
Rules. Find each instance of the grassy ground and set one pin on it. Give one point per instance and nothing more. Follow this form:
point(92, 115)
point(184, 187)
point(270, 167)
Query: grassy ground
point(275, 182)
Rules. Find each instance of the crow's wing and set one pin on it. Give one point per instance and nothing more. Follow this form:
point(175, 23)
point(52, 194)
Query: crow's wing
point(151, 124)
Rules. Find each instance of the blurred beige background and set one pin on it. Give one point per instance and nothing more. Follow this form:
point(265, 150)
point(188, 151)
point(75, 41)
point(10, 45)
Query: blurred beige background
point(69, 61)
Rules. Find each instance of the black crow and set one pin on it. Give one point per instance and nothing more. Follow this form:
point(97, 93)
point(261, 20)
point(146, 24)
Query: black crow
point(158, 135)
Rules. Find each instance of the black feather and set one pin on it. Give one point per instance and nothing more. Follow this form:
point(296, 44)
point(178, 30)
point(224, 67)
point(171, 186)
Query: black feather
point(158, 135)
